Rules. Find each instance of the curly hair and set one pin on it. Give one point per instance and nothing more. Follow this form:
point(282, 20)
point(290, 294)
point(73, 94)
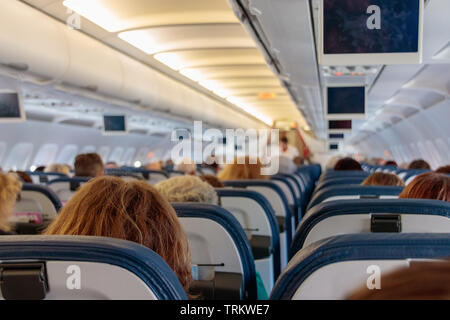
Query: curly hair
point(187, 189)
point(10, 187)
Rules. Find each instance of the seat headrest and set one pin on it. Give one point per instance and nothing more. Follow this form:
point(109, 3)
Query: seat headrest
point(45, 191)
point(352, 248)
point(145, 264)
point(233, 228)
point(348, 190)
point(348, 207)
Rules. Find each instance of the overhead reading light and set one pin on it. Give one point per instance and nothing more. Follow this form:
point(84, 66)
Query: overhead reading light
point(95, 11)
point(267, 95)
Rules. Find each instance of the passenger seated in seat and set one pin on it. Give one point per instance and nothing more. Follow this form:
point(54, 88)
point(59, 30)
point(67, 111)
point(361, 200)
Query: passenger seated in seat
point(23, 176)
point(187, 166)
point(10, 188)
point(244, 171)
point(421, 281)
point(187, 189)
point(135, 211)
point(59, 168)
point(419, 165)
point(444, 170)
point(212, 180)
point(383, 179)
point(391, 163)
point(89, 165)
point(428, 185)
point(347, 164)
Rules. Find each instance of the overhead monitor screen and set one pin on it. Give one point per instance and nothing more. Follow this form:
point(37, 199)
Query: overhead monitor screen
point(345, 102)
point(11, 108)
point(334, 146)
point(336, 136)
point(340, 125)
point(115, 124)
point(370, 31)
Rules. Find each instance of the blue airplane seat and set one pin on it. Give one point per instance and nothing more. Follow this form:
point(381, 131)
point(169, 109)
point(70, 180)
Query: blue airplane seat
point(333, 268)
point(221, 254)
point(82, 267)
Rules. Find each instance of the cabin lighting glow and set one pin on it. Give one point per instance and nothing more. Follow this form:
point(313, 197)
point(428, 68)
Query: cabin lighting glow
point(170, 59)
point(33, 168)
point(137, 164)
point(96, 11)
point(142, 40)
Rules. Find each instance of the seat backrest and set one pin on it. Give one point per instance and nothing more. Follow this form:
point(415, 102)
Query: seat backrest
point(175, 173)
point(66, 187)
point(276, 198)
point(288, 190)
point(256, 217)
point(220, 250)
point(352, 192)
point(151, 176)
point(366, 216)
point(44, 177)
point(125, 175)
point(39, 200)
point(81, 267)
point(331, 174)
point(334, 267)
point(338, 181)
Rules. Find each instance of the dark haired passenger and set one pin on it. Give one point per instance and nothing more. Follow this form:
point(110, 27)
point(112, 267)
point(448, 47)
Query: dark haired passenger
point(391, 163)
point(443, 170)
point(89, 165)
point(428, 185)
point(347, 164)
point(419, 164)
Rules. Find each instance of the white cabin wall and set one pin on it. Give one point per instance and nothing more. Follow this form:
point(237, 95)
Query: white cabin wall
point(42, 133)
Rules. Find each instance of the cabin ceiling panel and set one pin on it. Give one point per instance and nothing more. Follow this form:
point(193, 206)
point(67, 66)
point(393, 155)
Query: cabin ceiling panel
point(178, 38)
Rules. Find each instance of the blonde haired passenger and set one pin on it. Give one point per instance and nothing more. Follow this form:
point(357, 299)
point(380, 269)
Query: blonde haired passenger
point(134, 211)
point(187, 189)
point(187, 166)
point(242, 169)
point(58, 168)
point(383, 179)
point(10, 188)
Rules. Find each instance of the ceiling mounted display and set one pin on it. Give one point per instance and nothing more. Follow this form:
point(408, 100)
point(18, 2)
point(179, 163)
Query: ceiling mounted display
point(355, 32)
point(345, 102)
point(11, 106)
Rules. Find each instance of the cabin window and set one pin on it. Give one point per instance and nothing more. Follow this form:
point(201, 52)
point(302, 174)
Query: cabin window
point(19, 157)
point(68, 154)
point(116, 155)
point(46, 155)
point(104, 152)
point(127, 158)
point(444, 150)
point(88, 149)
point(2, 150)
point(142, 155)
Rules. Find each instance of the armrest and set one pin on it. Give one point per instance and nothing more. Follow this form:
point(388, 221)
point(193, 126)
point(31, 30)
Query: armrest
point(281, 223)
point(261, 246)
point(224, 286)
